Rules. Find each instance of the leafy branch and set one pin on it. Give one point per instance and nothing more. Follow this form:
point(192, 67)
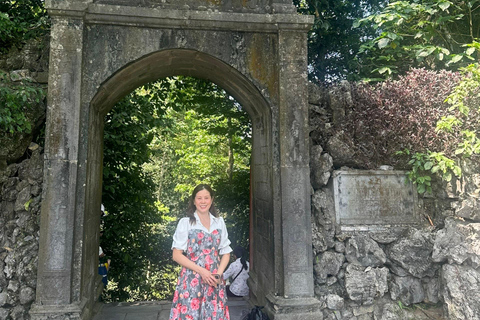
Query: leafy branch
point(16, 99)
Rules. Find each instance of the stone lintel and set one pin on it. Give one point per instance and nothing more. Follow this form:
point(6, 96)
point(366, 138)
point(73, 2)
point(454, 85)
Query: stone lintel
point(192, 19)
point(282, 308)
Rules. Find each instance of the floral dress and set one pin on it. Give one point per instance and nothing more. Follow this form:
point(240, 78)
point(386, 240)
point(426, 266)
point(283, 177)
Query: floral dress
point(194, 299)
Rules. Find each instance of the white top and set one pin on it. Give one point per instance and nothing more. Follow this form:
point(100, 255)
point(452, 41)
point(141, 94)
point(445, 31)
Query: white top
point(238, 287)
point(180, 238)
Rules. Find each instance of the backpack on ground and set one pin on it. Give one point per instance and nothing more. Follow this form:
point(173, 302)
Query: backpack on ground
point(256, 314)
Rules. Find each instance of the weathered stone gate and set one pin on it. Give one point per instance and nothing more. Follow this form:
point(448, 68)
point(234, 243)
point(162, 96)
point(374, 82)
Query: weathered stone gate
point(103, 49)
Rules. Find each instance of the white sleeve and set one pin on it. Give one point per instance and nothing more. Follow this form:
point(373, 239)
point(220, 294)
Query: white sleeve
point(224, 246)
point(180, 238)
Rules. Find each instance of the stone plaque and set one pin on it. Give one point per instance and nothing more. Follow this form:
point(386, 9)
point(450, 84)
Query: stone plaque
point(374, 198)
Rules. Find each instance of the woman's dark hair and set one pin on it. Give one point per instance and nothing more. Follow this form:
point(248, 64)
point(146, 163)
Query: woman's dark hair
point(239, 252)
point(191, 203)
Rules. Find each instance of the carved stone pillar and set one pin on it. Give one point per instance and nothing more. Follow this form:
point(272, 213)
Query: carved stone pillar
point(57, 292)
point(295, 298)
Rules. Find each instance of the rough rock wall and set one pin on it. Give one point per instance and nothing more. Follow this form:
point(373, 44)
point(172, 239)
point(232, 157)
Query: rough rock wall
point(369, 275)
point(20, 202)
point(20, 190)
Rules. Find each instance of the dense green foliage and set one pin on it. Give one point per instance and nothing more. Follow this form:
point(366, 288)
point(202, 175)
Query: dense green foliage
point(435, 34)
point(21, 20)
point(160, 141)
point(333, 40)
point(378, 39)
point(16, 98)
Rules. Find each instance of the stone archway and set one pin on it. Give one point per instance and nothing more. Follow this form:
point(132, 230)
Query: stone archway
point(101, 51)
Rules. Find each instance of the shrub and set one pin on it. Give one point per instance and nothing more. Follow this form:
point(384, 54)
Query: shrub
point(396, 115)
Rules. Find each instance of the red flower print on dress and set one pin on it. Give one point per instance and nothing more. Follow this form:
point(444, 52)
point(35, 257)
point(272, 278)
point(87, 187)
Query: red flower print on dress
point(206, 251)
point(186, 295)
point(208, 260)
point(175, 296)
point(215, 232)
point(210, 291)
point(188, 317)
point(221, 294)
point(184, 309)
point(194, 282)
point(195, 304)
point(200, 235)
point(175, 313)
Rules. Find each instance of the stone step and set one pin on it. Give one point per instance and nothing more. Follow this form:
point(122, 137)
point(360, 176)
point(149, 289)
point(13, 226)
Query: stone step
point(157, 310)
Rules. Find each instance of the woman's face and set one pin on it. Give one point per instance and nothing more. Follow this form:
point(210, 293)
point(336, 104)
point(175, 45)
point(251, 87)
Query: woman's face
point(203, 201)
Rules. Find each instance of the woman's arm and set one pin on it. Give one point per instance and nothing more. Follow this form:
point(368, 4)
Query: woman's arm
point(223, 263)
point(206, 275)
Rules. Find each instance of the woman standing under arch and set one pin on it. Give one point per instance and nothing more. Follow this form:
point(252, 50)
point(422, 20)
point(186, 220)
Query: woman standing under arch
point(201, 246)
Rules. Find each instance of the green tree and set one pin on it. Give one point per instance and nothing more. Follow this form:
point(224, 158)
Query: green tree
point(21, 20)
point(333, 40)
point(208, 140)
point(134, 236)
point(435, 34)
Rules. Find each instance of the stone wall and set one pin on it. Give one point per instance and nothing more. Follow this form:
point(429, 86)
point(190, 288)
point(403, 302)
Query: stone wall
point(370, 275)
point(20, 201)
point(21, 178)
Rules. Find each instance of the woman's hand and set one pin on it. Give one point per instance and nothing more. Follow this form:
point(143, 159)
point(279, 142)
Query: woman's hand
point(208, 277)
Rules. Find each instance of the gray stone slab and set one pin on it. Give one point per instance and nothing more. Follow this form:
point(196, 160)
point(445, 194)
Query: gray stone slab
point(142, 316)
point(159, 310)
point(373, 199)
